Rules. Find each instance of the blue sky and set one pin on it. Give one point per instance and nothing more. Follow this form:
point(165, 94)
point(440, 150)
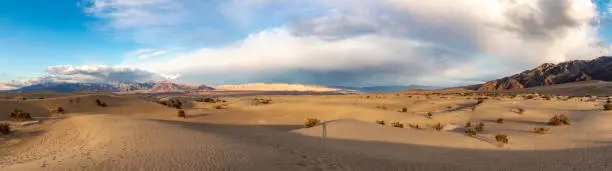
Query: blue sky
point(217, 34)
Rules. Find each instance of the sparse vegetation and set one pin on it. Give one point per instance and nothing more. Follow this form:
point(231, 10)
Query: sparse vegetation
point(380, 122)
point(181, 113)
point(310, 122)
point(520, 111)
point(5, 128)
point(500, 120)
point(541, 130)
point(607, 106)
point(210, 100)
point(383, 107)
point(19, 115)
point(559, 120)
point(438, 127)
point(415, 126)
point(429, 115)
point(257, 101)
point(404, 110)
point(468, 124)
point(480, 127)
point(501, 138)
point(100, 103)
point(221, 106)
point(397, 124)
point(57, 110)
point(173, 103)
point(470, 132)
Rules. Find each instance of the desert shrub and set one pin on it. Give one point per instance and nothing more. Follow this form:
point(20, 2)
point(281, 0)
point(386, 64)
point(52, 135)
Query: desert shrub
point(19, 115)
point(57, 110)
point(470, 132)
point(541, 130)
point(221, 106)
point(473, 108)
point(415, 126)
point(404, 110)
point(607, 106)
point(528, 97)
point(429, 115)
point(209, 100)
point(100, 103)
point(397, 124)
point(257, 101)
point(480, 127)
point(383, 107)
point(380, 122)
point(310, 122)
point(500, 120)
point(501, 138)
point(5, 128)
point(438, 127)
point(520, 110)
point(180, 113)
point(468, 124)
point(559, 120)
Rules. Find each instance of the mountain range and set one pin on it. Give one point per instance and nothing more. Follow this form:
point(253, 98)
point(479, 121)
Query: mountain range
point(550, 74)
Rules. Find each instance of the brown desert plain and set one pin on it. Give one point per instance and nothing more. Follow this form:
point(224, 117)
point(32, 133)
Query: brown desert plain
point(135, 132)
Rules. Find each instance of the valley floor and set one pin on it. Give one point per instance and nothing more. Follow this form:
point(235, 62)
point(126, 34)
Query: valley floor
point(136, 134)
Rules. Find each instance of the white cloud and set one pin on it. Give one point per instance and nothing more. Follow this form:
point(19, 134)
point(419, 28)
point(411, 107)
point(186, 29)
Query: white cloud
point(89, 74)
point(376, 41)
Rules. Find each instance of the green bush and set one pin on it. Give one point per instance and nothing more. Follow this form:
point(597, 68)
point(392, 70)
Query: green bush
point(397, 124)
point(310, 122)
point(5, 128)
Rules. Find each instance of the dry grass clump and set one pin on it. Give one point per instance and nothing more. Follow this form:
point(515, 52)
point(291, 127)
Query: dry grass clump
point(210, 100)
point(429, 115)
point(480, 127)
point(380, 122)
point(100, 103)
point(173, 103)
point(607, 106)
point(404, 110)
point(559, 120)
point(257, 101)
point(310, 122)
point(383, 107)
point(500, 120)
point(221, 106)
point(438, 127)
point(470, 132)
point(397, 124)
point(20, 115)
point(57, 110)
point(181, 113)
point(415, 126)
point(520, 111)
point(5, 128)
point(501, 138)
point(541, 130)
point(468, 124)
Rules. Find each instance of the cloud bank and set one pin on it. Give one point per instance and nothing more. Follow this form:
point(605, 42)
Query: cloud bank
point(87, 74)
point(365, 42)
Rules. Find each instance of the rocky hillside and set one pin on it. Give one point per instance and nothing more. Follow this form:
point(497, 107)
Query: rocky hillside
point(550, 74)
point(146, 87)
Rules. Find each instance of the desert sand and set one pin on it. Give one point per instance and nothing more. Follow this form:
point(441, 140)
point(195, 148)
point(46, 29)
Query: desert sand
point(136, 133)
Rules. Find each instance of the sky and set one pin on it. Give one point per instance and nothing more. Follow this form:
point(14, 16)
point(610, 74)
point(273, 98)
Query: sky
point(327, 42)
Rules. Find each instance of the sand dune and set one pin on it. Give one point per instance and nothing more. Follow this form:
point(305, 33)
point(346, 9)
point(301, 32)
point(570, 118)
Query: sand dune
point(137, 134)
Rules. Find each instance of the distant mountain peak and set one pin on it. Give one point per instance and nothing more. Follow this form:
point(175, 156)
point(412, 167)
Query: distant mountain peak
point(549, 74)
